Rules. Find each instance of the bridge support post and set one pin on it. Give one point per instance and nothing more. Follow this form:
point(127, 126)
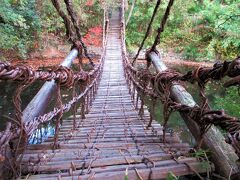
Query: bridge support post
point(222, 154)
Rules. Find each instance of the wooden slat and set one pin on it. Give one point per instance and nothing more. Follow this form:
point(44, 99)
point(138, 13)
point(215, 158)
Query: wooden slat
point(112, 137)
point(106, 169)
point(78, 164)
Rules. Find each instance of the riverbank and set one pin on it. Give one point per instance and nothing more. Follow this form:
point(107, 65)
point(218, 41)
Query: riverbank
point(56, 58)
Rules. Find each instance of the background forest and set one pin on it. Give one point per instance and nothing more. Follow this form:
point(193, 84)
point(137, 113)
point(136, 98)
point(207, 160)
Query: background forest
point(199, 29)
point(24, 24)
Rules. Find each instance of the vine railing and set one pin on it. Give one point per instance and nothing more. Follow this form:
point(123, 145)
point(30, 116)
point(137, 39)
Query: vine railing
point(14, 139)
point(164, 85)
point(167, 86)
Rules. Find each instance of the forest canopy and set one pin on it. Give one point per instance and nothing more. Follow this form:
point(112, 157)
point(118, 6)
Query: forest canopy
point(198, 29)
point(24, 23)
point(19, 24)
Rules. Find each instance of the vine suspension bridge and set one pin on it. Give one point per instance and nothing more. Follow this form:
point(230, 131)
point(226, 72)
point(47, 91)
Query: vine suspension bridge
point(111, 134)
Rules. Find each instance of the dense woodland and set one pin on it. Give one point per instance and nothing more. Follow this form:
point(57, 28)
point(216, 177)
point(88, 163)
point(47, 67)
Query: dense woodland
point(202, 30)
point(24, 24)
point(206, 30)
point(199, 30)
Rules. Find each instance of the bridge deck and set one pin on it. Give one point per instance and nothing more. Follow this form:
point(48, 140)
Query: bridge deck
point(112, 138)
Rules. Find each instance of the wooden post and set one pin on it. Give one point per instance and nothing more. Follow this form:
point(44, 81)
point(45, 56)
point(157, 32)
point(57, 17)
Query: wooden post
point(222, 154)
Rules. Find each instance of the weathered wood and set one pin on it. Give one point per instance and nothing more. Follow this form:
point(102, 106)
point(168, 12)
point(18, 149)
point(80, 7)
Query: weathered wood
point(157, 173)
point(106, 145)
point(114, 168)
point(111, 137)
point(121, 139)
point(159, 147)
point(223, 154)
point(73, 153)
point(67, 164)
point(83, 155)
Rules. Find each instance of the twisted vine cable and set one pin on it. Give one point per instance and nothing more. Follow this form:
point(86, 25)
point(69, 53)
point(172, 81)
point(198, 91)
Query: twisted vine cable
point(162, 25)
point(73, 16)
point(148, 30)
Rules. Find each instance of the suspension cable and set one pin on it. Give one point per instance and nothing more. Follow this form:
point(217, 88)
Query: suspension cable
point(162, 24)
point(73, 16)
point(148, 30)
point(66, 20)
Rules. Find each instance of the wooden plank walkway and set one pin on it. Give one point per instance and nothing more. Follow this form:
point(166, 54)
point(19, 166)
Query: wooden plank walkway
point(112, 138)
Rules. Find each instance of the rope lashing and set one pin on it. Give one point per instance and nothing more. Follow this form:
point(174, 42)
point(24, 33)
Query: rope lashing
point(202, 115)
point(61, 74)
point(20, 129)
point(59, 115)
point(64, 77)
point(219, 70)
point(160, 88)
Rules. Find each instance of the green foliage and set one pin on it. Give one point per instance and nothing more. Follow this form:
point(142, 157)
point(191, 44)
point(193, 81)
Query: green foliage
point(138, 23)
point(19, 23)
point(202, 31)
point(190, 51)
point(200, 154)
point(94, 15)
point(51, 21)
point(126, 174)
point(88, 16)
point(171, 176)
point(24, 22)
point(229, 101)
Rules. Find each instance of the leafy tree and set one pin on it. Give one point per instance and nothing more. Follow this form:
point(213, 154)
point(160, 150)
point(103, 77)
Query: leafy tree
point(229, 101)
point(23, 23)
point(200, 30)
point(19, 25)
point(90, 14)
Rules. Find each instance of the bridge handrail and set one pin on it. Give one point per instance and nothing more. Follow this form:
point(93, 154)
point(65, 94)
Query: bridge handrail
point(63, 74)
point(223, 154)
point(38, 104)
